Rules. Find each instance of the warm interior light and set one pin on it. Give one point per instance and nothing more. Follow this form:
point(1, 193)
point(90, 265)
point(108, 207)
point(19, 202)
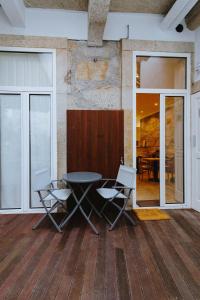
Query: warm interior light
point(156, 103)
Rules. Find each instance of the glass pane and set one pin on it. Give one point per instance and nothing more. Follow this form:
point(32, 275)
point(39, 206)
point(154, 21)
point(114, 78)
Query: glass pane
point(161, 72)
point(10, 151)
point(40, 144)
point(26, 69)
point(148, 149)
point(174, 158)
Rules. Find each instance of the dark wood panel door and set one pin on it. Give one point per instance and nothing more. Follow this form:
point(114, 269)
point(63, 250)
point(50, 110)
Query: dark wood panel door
point(95, 141)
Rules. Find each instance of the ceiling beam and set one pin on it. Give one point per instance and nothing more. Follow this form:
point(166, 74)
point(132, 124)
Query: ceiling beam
point(97, 16)
point(177, 13)
point(15, 11)
point(193, 18)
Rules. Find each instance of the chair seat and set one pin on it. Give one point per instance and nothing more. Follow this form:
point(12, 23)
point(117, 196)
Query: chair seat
point(107, 193)
point(61, 194)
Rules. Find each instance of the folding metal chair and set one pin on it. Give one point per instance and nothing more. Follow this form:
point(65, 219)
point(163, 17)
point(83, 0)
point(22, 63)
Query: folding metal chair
point(56, 195)
point(120, 191)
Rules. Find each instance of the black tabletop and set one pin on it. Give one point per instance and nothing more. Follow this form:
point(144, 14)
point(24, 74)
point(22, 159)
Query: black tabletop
point(82, 177)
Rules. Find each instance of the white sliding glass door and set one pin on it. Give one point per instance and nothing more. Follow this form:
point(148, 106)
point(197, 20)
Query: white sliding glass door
point(172, 150)
point(160, 149)
point(26, 149)
point(28, 159)
point(40, 144)
point(10, 151)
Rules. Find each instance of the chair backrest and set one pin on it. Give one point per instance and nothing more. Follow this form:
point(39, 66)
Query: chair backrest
point(127, 176)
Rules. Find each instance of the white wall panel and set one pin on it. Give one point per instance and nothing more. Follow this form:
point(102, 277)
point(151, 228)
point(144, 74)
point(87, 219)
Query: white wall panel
point(74, 25)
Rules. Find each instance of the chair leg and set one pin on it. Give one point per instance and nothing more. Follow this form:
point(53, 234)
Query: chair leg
point(107, 219)
point(93, 207)
point(133, 222)
point(43, 217)
point(39, 222)
point(103, 207)
point(54, 222)
point(117, 218)
point(48, 213)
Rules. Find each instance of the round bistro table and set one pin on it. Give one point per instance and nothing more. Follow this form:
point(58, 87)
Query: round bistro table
point(85, 181)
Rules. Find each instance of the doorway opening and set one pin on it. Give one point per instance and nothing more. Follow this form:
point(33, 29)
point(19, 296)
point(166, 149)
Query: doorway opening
point(159, 149)
point(161, 129)
point(148, 149)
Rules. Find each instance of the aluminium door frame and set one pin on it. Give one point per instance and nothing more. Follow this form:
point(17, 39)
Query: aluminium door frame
point(194, 141)
point(163, 203)
point(25, 146)
point(187, 130)
point(25, 152)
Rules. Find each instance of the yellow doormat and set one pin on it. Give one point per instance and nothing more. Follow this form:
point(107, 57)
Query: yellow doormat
point(151, 214)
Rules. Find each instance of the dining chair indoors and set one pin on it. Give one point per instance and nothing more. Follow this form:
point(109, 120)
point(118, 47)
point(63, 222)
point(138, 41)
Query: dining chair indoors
point(121, 191)
point(54, 195)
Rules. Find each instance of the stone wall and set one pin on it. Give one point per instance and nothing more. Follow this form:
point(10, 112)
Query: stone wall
point(195, 87)
point(94, 76)
point(149, 135)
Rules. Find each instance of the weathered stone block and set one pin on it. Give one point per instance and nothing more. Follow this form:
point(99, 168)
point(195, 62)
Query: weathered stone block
point(92, 70)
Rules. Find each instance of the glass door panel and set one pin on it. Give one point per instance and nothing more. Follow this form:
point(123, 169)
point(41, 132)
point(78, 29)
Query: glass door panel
point(148, 149)
point(174, 149)
point(155, 72)
point(40, 145)
point(10, 151)
point(26, 69)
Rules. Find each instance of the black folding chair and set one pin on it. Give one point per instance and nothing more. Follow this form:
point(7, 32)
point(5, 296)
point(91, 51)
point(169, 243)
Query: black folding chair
point(120, 191)
point(57, 197)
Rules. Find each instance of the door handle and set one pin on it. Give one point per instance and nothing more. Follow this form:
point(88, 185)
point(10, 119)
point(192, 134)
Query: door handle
point(122, 160)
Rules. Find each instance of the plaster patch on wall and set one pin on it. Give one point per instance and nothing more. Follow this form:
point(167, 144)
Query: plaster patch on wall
point(94, 76)
point(93, 70)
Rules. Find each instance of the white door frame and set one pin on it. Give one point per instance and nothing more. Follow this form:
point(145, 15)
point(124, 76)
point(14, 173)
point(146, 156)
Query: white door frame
point(195, 151)
point(187, 133)
point(25, 92)
point(163, 203)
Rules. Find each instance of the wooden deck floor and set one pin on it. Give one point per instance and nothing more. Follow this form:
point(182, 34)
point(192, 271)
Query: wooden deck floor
point(155, 260)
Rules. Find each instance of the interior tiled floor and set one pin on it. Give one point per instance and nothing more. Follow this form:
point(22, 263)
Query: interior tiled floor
point(150, 191)
point(147, 190)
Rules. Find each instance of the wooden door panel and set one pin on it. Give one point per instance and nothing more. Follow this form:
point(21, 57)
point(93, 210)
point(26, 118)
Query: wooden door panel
point(95, 140)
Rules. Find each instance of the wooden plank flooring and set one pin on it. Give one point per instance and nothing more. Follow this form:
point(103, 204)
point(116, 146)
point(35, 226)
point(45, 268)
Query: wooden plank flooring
point(155, 260)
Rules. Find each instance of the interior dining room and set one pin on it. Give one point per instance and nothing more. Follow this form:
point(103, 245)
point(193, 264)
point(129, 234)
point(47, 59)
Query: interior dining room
point(149, 131)
point(148, 149)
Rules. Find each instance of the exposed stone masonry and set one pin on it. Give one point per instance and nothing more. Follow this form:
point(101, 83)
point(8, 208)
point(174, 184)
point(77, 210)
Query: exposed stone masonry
point(94, 76)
